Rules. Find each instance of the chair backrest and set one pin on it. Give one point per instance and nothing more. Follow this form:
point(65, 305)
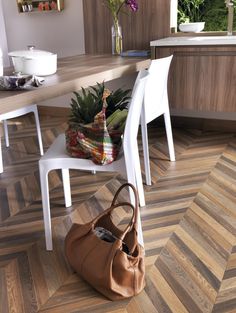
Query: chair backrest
point(141, 74)
point(135, 106)
point(156, 97)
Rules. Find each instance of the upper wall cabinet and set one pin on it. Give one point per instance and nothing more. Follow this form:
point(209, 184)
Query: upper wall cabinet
point(25, 6)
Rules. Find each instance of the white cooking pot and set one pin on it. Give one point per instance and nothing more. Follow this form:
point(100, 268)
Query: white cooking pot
point(34, 62)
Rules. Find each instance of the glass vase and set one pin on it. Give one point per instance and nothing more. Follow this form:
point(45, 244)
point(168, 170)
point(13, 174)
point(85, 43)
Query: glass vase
point(116, 33)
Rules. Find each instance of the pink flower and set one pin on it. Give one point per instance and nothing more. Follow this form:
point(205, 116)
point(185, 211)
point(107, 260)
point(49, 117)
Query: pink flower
point(132, 4)
point(115, 6)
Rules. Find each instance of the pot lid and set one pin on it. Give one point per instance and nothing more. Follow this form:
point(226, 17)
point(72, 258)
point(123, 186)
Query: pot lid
point(31, 53)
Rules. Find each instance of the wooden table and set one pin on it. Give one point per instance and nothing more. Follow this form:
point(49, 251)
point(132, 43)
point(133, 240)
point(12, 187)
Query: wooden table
point(72, 74)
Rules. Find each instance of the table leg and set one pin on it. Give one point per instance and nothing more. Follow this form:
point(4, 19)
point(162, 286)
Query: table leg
point(1, 165)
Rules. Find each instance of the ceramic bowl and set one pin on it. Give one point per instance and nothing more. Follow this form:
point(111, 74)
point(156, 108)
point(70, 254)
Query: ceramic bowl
point(192, 27)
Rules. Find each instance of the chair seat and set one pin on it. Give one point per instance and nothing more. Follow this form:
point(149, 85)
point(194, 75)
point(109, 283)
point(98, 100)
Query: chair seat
point(61, 159)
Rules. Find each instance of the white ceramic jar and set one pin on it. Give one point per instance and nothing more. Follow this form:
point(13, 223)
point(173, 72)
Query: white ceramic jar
point(34, 62)
point(1, 62)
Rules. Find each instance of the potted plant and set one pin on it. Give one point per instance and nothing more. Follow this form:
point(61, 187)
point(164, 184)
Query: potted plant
point(96, 123)
point(190, 14)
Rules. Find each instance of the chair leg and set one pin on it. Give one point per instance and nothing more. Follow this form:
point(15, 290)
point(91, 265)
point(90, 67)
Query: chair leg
point(138, 178)
point(146, 152)
point(140, 231)
point(139, 184)
point(66, 187)
point(131, 180)
point(1, 165)
point(46, 206)
point(35, 110)
point(169, 136)
point(133, 172)
point(6, 133)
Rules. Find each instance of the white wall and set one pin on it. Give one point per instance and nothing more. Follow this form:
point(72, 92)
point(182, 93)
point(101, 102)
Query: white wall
point(3, 37)
point(59, 32)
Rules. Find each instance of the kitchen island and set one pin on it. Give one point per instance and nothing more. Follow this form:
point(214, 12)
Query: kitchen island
point(202, 79)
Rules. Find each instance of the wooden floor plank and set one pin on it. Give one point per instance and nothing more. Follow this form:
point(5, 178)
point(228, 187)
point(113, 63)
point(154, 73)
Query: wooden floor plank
point(189, 225)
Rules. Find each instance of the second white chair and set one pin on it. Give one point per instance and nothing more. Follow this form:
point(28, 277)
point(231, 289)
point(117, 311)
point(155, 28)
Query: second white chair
point(16, 113)
point(156, 104)
point(127, 163)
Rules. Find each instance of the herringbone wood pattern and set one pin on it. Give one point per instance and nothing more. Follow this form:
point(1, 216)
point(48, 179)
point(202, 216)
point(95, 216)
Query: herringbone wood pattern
point(189, 226)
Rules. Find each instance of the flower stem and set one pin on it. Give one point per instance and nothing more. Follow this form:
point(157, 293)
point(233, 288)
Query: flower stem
point(118, 11)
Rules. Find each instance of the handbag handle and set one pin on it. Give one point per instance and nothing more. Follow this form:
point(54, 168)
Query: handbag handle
point(119, 191)
point(133, 221)
point(135, 208)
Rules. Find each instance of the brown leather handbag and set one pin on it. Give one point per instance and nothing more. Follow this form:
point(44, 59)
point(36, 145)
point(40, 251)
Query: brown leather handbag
point(110, 260)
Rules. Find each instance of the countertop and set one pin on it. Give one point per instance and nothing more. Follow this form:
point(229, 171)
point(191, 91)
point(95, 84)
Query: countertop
point(195, 41)
point(72, 74)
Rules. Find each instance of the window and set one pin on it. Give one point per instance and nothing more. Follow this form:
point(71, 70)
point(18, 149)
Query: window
point(213, 12)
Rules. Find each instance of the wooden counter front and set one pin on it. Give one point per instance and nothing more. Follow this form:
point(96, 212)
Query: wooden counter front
point(201, 78)
point(72, 74)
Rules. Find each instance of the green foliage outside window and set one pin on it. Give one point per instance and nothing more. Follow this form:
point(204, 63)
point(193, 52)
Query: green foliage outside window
point(213, 12)
point(190, 10)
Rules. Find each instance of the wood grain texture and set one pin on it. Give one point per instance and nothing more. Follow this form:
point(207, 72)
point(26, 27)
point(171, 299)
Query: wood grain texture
point(150, 22)
point(72, 74)
point(201, 78)
point(189, 226)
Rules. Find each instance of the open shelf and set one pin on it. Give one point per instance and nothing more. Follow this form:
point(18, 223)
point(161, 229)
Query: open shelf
point(26, 6)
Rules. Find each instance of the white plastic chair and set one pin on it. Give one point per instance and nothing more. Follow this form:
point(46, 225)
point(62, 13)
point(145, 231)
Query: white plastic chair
point(16, 113)
point(127, 163)
point(155, 104)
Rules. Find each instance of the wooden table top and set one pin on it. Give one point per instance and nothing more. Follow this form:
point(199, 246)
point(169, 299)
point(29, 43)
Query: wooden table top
point(72, 74)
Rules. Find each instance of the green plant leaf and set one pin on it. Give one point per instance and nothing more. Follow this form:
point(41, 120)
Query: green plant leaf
point(87, 103)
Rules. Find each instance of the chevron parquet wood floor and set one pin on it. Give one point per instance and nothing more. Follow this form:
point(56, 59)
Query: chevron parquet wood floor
point(189, 226)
